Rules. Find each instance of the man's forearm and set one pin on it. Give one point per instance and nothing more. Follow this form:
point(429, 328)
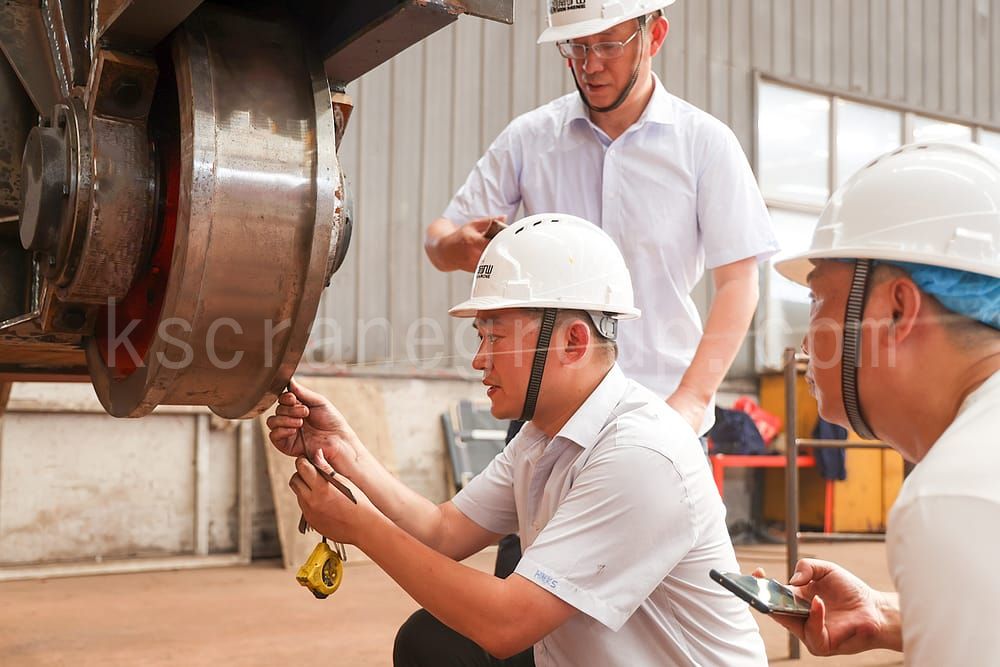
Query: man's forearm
point(729, 319)
point(436, 253)
point(415, 514)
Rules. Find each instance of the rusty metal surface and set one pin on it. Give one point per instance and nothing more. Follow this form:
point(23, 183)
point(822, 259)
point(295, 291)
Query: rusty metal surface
point(494, 10)
point(379, 37)
point(26, 40)
point(259, 183)
point(17, 116)
point(140, 24)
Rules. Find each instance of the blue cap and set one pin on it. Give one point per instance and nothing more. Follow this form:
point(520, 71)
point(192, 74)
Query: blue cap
point(974, 295)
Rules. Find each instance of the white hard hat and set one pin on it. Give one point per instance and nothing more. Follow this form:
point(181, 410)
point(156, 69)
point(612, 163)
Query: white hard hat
point(932, 203)
point(551, 260)
point(570, 19)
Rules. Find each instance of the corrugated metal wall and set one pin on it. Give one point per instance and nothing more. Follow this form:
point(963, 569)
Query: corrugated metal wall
point(424, 118)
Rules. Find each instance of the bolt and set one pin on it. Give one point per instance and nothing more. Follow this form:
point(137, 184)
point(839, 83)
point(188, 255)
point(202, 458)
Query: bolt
point(74, 318)
point(126, 91)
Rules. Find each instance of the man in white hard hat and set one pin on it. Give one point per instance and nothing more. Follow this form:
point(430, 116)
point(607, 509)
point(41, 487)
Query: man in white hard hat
point(904, 345)
point(668, 182)
point(606, 485)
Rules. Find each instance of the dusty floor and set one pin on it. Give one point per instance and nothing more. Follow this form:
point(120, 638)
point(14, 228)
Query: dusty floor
point(257, 615)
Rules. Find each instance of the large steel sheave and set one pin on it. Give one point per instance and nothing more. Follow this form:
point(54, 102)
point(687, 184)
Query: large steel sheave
point(253, 204)
point(184, 212)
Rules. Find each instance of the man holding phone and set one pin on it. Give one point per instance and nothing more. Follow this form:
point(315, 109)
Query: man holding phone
point(904, 345)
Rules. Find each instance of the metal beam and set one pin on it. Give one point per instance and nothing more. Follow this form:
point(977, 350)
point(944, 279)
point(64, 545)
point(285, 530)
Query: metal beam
point(31, 51)
point(140, 24)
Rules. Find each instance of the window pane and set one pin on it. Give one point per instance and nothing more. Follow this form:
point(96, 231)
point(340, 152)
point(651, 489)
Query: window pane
point(929, 129)
point(794, 144)
point(990, 139)
point(784, 315)
point(794, 231)
point(863, 133)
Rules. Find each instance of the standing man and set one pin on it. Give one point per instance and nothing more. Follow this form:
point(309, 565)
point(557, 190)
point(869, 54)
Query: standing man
point(606, 485)
point(904, 345)
point(668, 182)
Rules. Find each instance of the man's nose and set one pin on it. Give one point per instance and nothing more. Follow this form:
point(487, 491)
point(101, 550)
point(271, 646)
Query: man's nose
point(483, 360)
point(590, 63)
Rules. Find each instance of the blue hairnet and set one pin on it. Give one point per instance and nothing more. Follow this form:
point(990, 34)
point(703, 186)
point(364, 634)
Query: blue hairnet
point(974, 295)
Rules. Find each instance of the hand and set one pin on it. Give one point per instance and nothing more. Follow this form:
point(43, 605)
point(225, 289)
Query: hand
point(326, 440)
point(846, 615)
point(467, 243)
point(328, 511)
point(689, 406)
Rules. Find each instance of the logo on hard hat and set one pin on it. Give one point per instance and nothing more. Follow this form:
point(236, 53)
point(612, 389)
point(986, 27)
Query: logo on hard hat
point(484, 271)
point(557, 6)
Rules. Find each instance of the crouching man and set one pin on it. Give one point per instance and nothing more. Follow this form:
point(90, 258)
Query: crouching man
point(606, 485)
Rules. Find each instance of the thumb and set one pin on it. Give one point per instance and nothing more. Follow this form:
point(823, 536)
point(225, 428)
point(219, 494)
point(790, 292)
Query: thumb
point(319, 460)
point(305, 395)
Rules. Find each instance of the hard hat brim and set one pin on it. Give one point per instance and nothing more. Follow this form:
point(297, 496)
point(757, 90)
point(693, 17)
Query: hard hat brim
point(797, 267)
point(593, 26)
point(480, 304)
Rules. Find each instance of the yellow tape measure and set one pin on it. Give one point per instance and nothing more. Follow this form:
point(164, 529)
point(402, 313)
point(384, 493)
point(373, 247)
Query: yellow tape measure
point(323, 571)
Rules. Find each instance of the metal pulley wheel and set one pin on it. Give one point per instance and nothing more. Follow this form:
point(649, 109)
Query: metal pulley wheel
point(250, 224)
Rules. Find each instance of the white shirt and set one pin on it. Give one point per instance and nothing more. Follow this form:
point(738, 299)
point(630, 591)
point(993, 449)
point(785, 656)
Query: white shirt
point(944, 541)
point(619, 517)
point(674, 191)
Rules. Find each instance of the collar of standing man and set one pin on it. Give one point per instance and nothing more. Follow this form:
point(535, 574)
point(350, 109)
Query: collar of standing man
point(659, 109)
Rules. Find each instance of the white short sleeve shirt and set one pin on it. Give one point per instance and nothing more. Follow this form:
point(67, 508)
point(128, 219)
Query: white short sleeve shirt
point(674, 191)
point(618, 516)
point(944, 540)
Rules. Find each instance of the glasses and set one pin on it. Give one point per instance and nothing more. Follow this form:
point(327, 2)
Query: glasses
point(601, 50)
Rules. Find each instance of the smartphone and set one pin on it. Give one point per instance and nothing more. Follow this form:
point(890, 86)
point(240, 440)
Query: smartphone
point(765, 595)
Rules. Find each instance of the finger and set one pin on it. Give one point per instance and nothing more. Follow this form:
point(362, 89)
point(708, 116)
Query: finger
point(810, 569)
point(287, 398)
point(817, 637)
point(759, 573)
point(297, 485)
point(281, 421)
point(307, 472)
point(297, 410)
point(283, 438)
point(319, 460)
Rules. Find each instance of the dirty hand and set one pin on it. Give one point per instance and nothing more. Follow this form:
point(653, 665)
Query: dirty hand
point(327, 440)
point(846, 615)
point(328, 511)
point(468, 242)
point(689, 406)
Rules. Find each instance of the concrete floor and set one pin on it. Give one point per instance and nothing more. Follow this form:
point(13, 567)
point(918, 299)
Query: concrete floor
point(257, 615)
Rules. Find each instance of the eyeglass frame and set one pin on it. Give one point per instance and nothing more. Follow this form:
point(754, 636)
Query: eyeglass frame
point(591, 48)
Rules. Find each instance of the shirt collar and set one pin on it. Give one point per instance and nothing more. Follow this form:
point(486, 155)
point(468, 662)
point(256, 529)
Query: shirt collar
point(659, 109)
point(591, 417)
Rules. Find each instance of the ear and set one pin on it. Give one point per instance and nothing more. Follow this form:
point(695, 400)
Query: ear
point(895, 306)
point(658, 34)
point(576, 341)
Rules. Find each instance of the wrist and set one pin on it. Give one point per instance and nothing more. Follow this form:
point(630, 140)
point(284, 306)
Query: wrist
point(891, 631)
point(694, 392)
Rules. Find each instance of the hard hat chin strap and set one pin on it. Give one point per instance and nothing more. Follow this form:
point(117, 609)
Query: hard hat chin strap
point(851, 356)
point(631, 82)
point(538, 363)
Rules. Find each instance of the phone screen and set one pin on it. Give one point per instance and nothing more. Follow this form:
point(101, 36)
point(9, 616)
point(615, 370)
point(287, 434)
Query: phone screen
point(765, 595)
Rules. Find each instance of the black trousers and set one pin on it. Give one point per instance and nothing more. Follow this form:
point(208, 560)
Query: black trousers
point(424, 641)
